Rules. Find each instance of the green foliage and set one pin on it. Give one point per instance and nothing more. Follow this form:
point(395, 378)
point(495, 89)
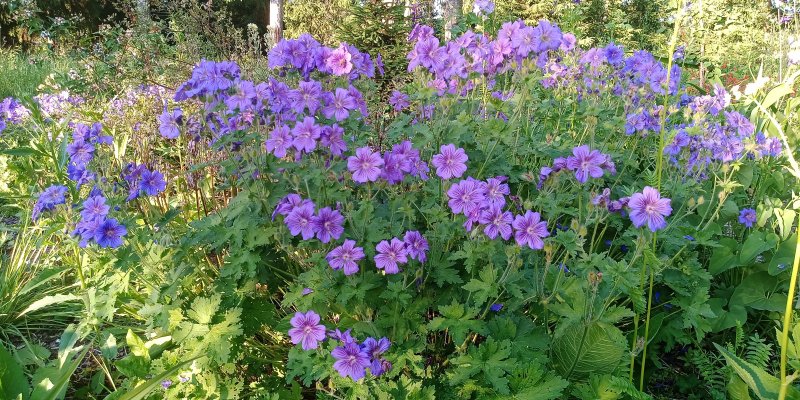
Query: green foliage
point(303, 16)
point(379, 27)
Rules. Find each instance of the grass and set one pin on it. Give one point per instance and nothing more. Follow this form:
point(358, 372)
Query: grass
point(34, 296)
point(23, 73)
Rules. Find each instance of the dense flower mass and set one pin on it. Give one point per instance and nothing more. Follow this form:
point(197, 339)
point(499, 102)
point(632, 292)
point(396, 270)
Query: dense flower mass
point(519, 122)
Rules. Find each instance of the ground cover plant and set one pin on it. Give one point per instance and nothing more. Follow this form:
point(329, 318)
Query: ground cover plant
point(515, 216)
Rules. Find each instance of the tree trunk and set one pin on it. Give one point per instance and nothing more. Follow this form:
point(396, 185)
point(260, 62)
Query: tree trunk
point(451, 12)
point(143, 12)
point(276, 20)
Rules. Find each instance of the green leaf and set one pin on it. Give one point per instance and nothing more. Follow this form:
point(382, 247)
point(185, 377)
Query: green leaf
point(109, 346)
point(21, 152)
point(145, 389)
point(776, 94)
point(586, 349)
point(54, 381)
point(12, 378)
point(755, 244)
point(47, 301)
point(723, 257)
point(758, 291)
point(764, 385)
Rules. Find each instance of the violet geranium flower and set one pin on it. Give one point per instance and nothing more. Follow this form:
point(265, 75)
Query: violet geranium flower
point(365, 165)
point(416, 245)
point(168, 123)
point(390, 254)
point(465, 196)
point(328, 224)
point(301, 220)
point(586, 163)
point(307, 330)
point(497, 221)
point(280, 140)
point(351, 361)
point(530, 230)
point(649, 208)
point(346, 257)
point(451, 162)
point(339, 61)
point(109, 233)
point(747, 217)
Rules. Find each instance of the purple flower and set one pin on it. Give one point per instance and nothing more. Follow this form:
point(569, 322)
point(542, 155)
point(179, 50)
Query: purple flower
point(496, 307)
point(649, 208)
point(346, 257)
point(166, 383)
point(585, 163)
point(306, 134)
point(307, 291)
point(290, 202)
point(390, 255)
point(280, 139)
point(497, 222)
point(307, 330)
point(48, 199)
point(332, 137)
point(465, 196)
point(547, 36)
point(339, 61)
point(109, 233)
point(747, 217)
point(168, 123)
point(416, 245)
point(399, 100)
point(365, 165)
point(483, 7)
point(152, 182)
point(350, 361)
point(94, 207)
point(530, 230)
point(328, 224)
point(301, 220)
point(450, 162)
point(375, 349)
point(80, 152)
point(339, 104)
point(495, 191)
point(307, 95)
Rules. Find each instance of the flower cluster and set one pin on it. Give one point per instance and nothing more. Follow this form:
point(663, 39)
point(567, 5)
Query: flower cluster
point(352, 358)
point(81, 151)
point(12, 112)
point(231, 103)
point(484, 203)
point(306, 55)
point(584, 162)
point(369, 166)
point(95, 225)
point(301, 219)
point(56, 105)
point(707, 139)
point(139, 179)
point(48, 199)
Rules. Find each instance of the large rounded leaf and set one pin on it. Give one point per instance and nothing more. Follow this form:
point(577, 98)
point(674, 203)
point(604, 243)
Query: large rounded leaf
point(587, 349)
